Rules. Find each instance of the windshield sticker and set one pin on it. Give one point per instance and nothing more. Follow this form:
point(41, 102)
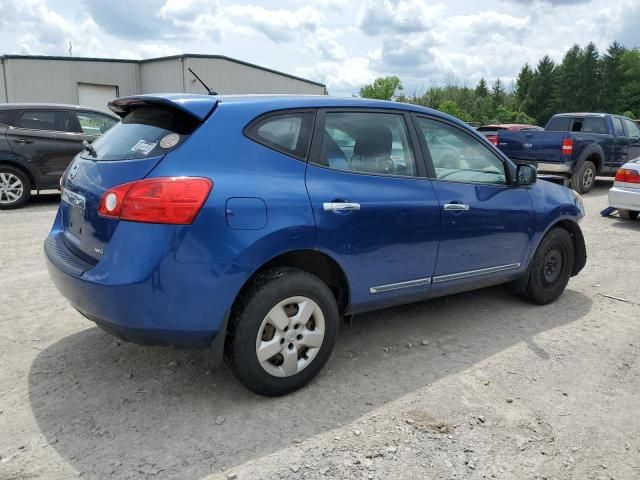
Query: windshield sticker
point(170, 141)
point(143, 147)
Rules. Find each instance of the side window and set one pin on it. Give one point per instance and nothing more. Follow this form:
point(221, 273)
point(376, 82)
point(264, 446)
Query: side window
point(458, 157)
point(92, 123)
point(289, 133)
point(617, 127)
point(6, 116)
point(594, 125)
point(577, 125)
point(56, 120)
point(363, 142)
point(632, 129)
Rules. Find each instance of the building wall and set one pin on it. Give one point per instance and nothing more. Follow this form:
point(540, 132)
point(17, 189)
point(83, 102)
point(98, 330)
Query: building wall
point(162, 76)
point(41, 80)
point(3, 91)
point(227, 77)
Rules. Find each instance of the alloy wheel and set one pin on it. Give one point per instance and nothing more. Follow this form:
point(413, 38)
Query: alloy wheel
point(11, 188)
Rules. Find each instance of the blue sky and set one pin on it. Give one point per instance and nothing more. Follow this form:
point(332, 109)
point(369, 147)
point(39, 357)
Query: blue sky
point(343, 44)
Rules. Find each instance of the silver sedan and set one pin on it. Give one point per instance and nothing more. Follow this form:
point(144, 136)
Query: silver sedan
point(625, 193)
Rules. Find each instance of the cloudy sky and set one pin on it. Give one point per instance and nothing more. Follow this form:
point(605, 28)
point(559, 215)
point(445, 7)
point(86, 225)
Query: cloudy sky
point(343, 44)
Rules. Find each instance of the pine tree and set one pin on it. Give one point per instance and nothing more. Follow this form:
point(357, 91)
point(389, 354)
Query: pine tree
point(523, 84)
point(612, 78)
point(589, 99)
point(569, 81)
point(543, 91)
point(498, 95)
point(481, 89)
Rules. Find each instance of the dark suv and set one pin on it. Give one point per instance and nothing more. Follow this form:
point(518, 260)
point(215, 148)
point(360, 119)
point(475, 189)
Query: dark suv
point(37, 143)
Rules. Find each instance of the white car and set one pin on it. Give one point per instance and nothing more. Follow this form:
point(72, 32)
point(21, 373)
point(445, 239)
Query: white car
point(625, 193)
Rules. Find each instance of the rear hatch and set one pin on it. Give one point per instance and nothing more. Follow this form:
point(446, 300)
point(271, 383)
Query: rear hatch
point(532, 146)
point(151, 127)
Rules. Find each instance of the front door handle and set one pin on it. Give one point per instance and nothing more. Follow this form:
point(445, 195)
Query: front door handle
point(23, 141)
point(340, 206)
point(456, 207)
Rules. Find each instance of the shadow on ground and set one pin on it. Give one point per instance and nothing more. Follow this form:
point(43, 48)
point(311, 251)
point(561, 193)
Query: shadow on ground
point(111, 408)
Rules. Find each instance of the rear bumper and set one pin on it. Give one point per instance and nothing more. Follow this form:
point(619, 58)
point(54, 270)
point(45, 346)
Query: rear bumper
point(625, 198)
point(179, 304)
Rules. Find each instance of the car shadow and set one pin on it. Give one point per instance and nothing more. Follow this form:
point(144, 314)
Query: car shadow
point(108, 407)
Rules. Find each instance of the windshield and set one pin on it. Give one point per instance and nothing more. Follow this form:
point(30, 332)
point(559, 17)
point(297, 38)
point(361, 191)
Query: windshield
point(147, 131)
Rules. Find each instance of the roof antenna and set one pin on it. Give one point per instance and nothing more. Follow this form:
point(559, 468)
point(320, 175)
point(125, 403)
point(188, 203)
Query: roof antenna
point(209, 91)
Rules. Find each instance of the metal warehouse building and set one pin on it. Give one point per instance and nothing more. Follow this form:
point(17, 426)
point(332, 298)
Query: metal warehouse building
point(93, 82)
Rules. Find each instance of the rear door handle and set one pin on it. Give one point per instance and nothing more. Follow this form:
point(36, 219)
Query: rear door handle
point(340, 206)
point(23, 141)
point(456, 207)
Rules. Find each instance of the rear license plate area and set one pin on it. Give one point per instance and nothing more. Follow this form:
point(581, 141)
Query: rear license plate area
point(76, 212)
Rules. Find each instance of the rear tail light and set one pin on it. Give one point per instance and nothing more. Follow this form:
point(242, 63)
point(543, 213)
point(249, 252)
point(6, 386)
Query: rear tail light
point(627, 175)
point(174, 200)
point(493, 139)
point(567, 146)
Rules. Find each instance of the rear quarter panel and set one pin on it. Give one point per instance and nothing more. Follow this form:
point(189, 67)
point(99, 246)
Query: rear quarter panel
point(241, 169)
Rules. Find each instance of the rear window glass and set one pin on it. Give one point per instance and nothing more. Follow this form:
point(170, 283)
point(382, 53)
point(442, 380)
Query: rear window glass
point(289, 133)
point(559, 124)
point(147, 131)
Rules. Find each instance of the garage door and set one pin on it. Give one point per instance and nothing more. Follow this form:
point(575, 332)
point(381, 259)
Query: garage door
point(96, 96)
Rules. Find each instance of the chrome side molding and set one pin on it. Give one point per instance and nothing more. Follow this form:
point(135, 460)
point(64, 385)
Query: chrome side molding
point(397, 286)
point(475, 273)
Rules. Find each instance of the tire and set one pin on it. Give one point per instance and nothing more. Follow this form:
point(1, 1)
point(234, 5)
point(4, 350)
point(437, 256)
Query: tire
point(628, 214)
point(15, 187)
point(584, 178)
point(551, 268)
point(264, 318)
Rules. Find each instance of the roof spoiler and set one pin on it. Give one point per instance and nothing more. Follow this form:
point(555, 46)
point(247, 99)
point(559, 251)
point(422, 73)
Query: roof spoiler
point(197, 106)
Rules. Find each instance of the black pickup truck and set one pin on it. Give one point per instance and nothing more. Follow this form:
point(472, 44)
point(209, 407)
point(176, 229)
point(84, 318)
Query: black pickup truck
point(577, 146)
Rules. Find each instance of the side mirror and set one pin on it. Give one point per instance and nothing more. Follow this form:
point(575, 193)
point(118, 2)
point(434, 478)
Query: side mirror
point(526, 175)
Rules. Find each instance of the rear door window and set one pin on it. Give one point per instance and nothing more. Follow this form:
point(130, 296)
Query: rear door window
point(289, 133)
point(147, 131)
point(594, 125)
point(6, 116)
point(632, 129)
point(53, 120)
point(617, 127)
point(92, 123)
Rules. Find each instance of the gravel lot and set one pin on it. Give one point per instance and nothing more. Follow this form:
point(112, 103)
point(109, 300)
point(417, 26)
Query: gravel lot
point(479, 385)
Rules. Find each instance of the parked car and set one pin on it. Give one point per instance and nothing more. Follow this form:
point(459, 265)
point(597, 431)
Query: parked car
point(578, 146)
point(491, 131)
point(37, 143)
point(624, 196)
point(250, 225)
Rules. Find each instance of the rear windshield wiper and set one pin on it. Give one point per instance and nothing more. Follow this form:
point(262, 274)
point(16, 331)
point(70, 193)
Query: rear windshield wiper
point(89, 148)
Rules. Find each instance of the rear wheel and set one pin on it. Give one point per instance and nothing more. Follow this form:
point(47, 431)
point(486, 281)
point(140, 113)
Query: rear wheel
point(282, 331)
point(584, 177)
point(551, 268)
point(628, 214)
point(15, 187)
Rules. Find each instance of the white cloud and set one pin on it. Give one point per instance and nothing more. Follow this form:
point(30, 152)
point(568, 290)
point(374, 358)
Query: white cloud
point(397, 16)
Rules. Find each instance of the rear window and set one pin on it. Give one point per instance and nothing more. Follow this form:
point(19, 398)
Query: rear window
point(54, 120)
point(559, 124)
point(147, 131)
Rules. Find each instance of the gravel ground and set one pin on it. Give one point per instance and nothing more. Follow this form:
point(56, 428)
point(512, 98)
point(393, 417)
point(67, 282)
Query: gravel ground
point(478, 385)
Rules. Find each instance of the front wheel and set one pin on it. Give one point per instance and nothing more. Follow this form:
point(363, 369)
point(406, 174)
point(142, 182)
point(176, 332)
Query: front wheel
point(551, 268)
point(628, 214)
point(282, 331)
point(584, 178)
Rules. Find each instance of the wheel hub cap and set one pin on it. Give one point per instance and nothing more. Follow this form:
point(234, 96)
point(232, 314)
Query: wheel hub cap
point(11, 188)
point(290, 336)
point(552, 265)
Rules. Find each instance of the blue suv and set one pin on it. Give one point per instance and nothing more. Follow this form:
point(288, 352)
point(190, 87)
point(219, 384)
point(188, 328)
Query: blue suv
point(250, 225)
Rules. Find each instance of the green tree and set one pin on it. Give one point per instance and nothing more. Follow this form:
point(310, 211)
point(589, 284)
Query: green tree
point(481, 89)
point(540, 104)
point(452, 108)
point(498, 95)
point(612, 79)
point(630, 91)
point(589, 99)
point(382, 88)
point(569, 82)
point(523, 84)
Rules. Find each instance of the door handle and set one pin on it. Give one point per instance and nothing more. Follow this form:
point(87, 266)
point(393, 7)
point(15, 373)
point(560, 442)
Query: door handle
point(23, 141)
point(456, 207)
point(340, 206)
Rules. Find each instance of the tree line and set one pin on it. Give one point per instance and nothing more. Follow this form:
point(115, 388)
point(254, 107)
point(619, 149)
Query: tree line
point(584, 81)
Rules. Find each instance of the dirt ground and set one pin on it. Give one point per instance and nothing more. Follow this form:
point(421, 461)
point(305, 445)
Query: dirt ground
point(478, 385)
